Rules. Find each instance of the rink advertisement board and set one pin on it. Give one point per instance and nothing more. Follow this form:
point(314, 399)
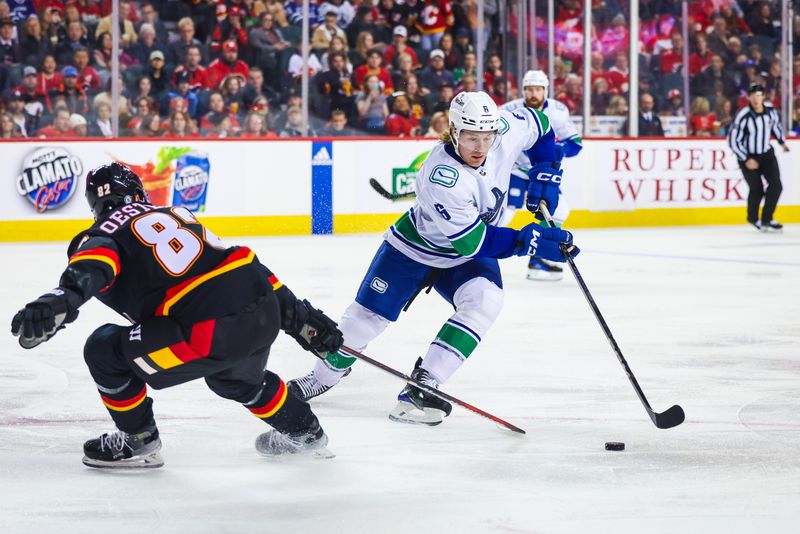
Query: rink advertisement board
point(274, 187)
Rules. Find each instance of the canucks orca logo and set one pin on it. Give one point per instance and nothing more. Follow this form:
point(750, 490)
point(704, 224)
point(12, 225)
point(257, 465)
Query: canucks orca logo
point(500, 200)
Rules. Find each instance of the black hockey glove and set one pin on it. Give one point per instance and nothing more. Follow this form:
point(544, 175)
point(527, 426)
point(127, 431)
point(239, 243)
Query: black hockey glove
point(39, 320)
point(313, 330)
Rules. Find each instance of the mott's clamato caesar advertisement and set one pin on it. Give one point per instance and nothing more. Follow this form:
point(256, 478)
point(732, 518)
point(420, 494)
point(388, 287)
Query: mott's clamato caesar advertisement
point(49, 177)
point(404, 179)
point(177, 176)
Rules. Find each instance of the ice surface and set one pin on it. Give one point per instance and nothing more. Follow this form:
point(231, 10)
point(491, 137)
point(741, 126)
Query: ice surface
point(707, 317)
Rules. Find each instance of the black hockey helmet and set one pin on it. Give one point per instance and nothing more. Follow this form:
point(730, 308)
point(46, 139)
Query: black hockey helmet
point(111, 186)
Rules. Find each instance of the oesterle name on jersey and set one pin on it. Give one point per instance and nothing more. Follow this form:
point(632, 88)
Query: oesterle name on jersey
point(122, 215)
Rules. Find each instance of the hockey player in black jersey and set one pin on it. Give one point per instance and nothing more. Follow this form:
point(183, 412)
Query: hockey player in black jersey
point(199, 309)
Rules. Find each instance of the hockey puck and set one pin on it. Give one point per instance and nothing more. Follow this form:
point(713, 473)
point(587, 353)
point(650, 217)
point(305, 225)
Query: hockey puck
point(615, 446)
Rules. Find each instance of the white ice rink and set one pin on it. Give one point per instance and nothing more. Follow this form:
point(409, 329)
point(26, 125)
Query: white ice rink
point(708, 318)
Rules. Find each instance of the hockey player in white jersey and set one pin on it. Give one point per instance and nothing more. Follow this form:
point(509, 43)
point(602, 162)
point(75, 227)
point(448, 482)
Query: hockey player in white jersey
point(568, 143)
point(450, 240)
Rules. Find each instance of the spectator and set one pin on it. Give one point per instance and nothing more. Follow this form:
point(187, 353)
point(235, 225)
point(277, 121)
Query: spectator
point(373, 68)
point(78, 124)
point(229, 29)
point(364, 43)
point(617, 106)
point(418, 100)
point(469, 84)
point(337, 126)
point(75, 38)
point(274, 120)
point(399, 46)
point(761, 22)
point(149, 127)
point(149, 16)
point(452, 57)
point(216, 106)
point(469, 66)
point(34, 98)
point(34, 44)
point(73, 94)
point(146, 45)
point(159, 79)
point(335, 87)
point(268, 44)
point(345, 12)
point(72, 13)
point(498, 93)
point(255, 126)
point(325, 32)
point(8, 128)
point(89, 11)
point(337, 45)
point(371, 105)
point(294, 124)
point(183, 89)
point(436, 16)
point(22, 9)
point(101, 124)
point(364, 21)
point(755, 52)
point(145, 88)
point(463, 46)
point(87, 76)
point(674, 104)
point(734, 21)
point(434, 75)
point(401, 122)
point(672, 60)
point(198, 75)
point(48, 78)
point(143, 106)
point(600, 96)
point(391, 14)
point(701, 57)
point(275, 7)
point(617, 75)
point(615, 38)
point(128, 32)
point(723, 110)
point(704, 84)
point(52, 27)
point(102, 57)
point(438, 125)
point(60, 127)
point(227, 63)
point(180, 125)
point(494, 69)
point(405, 68)
point(649, 121)
point(10, 51)
point(232, 89)
point(718, 38)
point(702, 122)
point(296, 66)
point(178, 49)
point(255, 87)
point(27, 122)
point(221, 127)
point(446, 93)
point(571, 94)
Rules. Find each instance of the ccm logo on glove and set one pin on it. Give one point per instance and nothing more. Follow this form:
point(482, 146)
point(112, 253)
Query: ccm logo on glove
point(549, 177)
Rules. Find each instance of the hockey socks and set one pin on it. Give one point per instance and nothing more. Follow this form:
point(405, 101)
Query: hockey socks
point(279, 409)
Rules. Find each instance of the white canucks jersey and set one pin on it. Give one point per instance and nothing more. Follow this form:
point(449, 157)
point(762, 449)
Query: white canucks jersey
point(455, 202)
point(563, 128)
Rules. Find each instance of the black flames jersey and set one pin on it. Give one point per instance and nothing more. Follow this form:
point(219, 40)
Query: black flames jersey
point(151, 261)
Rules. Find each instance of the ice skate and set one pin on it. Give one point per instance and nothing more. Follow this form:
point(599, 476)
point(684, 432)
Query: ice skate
point(418, 407)
point(539, 269)
point(313, 441)
point(308, 386)
point(120, 450)
point(772, 227)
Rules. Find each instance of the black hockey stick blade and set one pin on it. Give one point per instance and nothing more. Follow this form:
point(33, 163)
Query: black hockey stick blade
point(668, 419)
point(432, 391)
point(376, 185)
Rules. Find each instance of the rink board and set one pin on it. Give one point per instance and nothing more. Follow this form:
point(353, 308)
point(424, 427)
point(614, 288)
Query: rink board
point(298, 187)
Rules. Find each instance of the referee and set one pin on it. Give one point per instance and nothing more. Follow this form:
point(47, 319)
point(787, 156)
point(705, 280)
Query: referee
point(749, 139)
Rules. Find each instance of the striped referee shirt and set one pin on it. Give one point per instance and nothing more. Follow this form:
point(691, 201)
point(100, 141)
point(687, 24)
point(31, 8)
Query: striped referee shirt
point(750, 131)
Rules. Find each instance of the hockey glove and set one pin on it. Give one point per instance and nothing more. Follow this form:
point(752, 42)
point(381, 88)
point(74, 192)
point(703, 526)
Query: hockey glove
point(39, 320)
point(316, 332)
point(546, 243)
point(544, 182)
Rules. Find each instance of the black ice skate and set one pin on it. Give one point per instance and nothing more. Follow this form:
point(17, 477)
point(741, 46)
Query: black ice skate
point(418, 407)
point(539, 269)
point(120, 450)
point(313, 440)
point(773, 226)
point(307, 387)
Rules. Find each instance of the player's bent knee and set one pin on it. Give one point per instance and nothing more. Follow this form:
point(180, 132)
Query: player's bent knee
point(480, 298)
point(102, 342)
point(360, 325)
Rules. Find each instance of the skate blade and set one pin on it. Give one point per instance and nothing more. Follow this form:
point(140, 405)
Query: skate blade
point(407, 413)
point(544, 276)
point(147, 461)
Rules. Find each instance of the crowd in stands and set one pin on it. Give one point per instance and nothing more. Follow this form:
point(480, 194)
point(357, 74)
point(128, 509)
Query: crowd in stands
point(232, 68)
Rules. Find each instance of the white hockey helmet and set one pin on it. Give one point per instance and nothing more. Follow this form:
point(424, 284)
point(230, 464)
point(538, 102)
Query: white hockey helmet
point(536, 78)
point(475, 112)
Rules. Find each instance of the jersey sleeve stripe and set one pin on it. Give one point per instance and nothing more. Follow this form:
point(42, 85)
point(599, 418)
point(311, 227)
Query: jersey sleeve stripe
point(470, 243)
point(239, 258)
point(535, 120)
point(276, 284)
point(465, 230)
point(101, 254)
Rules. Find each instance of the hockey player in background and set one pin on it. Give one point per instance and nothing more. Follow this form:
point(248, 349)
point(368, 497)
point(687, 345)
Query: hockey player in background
point(199, 309)
point(450, 240)
point(568, 144)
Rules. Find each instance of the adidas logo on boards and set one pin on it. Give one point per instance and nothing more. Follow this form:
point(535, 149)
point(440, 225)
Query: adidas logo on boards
point(322, 157)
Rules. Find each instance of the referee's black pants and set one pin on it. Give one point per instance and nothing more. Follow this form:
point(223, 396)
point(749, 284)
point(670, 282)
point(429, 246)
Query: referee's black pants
point(768, 169)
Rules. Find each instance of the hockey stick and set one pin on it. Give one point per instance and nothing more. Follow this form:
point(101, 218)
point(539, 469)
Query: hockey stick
point(668, 419)
point(432, 391)
point(376, 185)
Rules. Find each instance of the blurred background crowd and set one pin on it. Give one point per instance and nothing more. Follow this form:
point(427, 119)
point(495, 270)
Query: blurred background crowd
point(232, 68)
